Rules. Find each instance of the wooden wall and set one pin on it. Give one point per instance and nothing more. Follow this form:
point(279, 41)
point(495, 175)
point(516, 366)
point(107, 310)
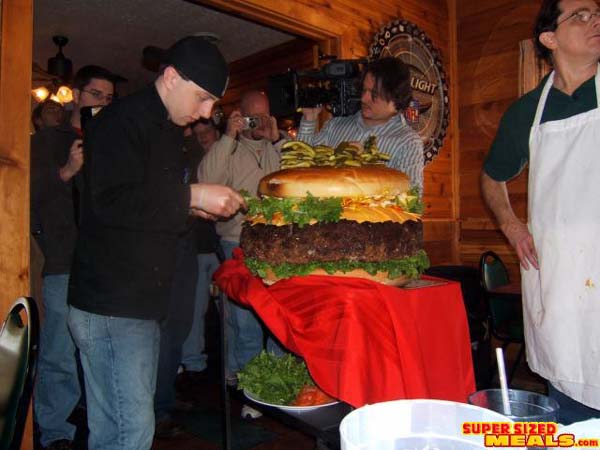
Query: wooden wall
point(253, 71)
point(346, 28)
point(488, 35)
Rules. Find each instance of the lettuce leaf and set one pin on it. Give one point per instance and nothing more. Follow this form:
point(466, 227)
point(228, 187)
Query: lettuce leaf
point(301, 211)
point(411, 267)
point(273, 379)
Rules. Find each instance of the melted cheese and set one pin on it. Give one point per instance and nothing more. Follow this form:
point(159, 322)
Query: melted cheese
point(375, 210)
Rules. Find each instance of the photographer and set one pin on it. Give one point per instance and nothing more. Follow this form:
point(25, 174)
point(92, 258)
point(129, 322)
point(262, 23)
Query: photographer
point(240, 159)
point(386, 92)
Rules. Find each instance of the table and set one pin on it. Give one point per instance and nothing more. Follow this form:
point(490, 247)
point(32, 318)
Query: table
point(364, 342)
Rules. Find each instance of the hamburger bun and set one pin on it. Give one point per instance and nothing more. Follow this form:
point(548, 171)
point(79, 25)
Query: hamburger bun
point(334, 182)
point(380, 277)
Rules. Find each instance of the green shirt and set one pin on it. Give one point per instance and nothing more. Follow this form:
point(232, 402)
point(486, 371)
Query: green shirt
point(510, 150)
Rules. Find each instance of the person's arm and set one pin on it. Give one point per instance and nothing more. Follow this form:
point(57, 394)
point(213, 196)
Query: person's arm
point(74, 162)
point(307, 131)
point(508, 155)
point(46, 178)
point(496, 197)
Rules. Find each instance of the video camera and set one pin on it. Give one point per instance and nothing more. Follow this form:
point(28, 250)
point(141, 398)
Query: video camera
point(335, 85)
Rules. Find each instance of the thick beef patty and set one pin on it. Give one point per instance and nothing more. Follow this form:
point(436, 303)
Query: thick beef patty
point(344, 240)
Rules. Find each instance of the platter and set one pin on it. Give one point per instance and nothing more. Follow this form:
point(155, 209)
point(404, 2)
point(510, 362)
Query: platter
point(289, 409)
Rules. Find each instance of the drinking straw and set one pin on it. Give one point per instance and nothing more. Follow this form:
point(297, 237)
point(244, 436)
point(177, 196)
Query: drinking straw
point(503, 383)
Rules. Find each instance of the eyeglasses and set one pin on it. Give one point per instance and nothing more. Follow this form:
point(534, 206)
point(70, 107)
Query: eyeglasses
point(582, 16)
point(99, 95)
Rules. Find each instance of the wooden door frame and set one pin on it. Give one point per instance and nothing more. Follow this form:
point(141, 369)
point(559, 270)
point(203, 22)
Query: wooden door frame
point(16, 42)
point(16, 38)
point(329, 36)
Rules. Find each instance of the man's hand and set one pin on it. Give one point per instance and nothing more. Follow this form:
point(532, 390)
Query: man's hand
point(268, 129)
point(520, 238)
point(74, 163)
point(311, 113)
point(495, 195)
point(235, 124)
point(215, 201)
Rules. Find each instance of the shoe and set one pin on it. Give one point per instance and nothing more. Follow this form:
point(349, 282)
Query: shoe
point(61, 444)
point(167, 429)
point(248, 412)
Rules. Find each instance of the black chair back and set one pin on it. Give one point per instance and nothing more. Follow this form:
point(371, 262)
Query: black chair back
point(18, 358)
point(493, 271)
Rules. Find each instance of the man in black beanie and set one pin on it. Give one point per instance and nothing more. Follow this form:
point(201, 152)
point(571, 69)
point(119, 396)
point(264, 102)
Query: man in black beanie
point(134, 204)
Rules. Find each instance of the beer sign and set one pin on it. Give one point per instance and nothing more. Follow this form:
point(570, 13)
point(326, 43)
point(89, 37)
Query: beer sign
point(427, 112)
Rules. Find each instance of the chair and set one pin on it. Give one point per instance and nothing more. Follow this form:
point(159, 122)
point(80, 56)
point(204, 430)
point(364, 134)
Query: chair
point(18, 358)
point(505, 311)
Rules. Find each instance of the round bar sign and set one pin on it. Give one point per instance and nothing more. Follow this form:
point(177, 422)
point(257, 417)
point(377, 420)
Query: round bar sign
point(428, 109)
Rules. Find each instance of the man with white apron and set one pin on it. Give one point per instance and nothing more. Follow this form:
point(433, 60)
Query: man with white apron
point(556, 128)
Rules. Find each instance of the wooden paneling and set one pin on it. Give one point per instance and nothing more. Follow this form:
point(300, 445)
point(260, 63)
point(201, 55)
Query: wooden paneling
point(349, 27)
point(489, 32)
point(439, 238)
point(253, 72)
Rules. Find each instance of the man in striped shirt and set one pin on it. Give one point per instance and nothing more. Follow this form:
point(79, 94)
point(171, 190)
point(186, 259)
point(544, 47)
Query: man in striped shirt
point(386, 92)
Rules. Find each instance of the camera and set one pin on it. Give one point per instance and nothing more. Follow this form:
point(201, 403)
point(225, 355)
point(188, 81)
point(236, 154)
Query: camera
point(336, 85)
point(250, 123)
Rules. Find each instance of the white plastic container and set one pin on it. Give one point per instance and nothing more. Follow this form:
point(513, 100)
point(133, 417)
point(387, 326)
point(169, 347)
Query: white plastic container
point(587, 430)
point(414, 425)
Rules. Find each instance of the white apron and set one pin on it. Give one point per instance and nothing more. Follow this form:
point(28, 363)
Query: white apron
point(561, 305)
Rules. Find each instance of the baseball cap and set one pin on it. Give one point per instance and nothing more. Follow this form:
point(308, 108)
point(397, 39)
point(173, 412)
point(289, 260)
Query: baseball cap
point(201, 62)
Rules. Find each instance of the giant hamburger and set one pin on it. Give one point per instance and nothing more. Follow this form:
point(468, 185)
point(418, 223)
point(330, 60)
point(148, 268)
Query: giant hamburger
point(353, 221)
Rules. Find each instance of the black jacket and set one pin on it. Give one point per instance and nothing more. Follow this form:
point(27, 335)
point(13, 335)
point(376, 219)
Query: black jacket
point(52, 213)
point(133, 207)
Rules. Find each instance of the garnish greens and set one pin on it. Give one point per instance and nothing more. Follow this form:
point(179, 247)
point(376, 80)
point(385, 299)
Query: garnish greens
point(273, 379)
point(410, 267)
point(296, 210)
point(411, 201)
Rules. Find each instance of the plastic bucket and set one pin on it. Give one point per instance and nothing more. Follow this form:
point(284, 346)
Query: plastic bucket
point(414, 425)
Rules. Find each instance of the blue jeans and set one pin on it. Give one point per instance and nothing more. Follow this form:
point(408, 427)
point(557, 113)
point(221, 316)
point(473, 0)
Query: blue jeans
point(119, 357)
point(242, 328)
point(57, 388)
point(193, 356)
point(175, 328)
point(571, 410)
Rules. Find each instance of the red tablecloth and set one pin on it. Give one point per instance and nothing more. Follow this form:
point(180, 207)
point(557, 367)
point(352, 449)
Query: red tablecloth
point(364, 342)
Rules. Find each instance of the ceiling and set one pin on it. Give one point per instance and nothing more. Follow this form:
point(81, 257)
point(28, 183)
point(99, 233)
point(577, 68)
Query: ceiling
point(112, 33)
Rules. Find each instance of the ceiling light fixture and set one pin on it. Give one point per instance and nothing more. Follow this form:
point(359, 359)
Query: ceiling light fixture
point(40, 94)
point(59, 65)
point(54, 82)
